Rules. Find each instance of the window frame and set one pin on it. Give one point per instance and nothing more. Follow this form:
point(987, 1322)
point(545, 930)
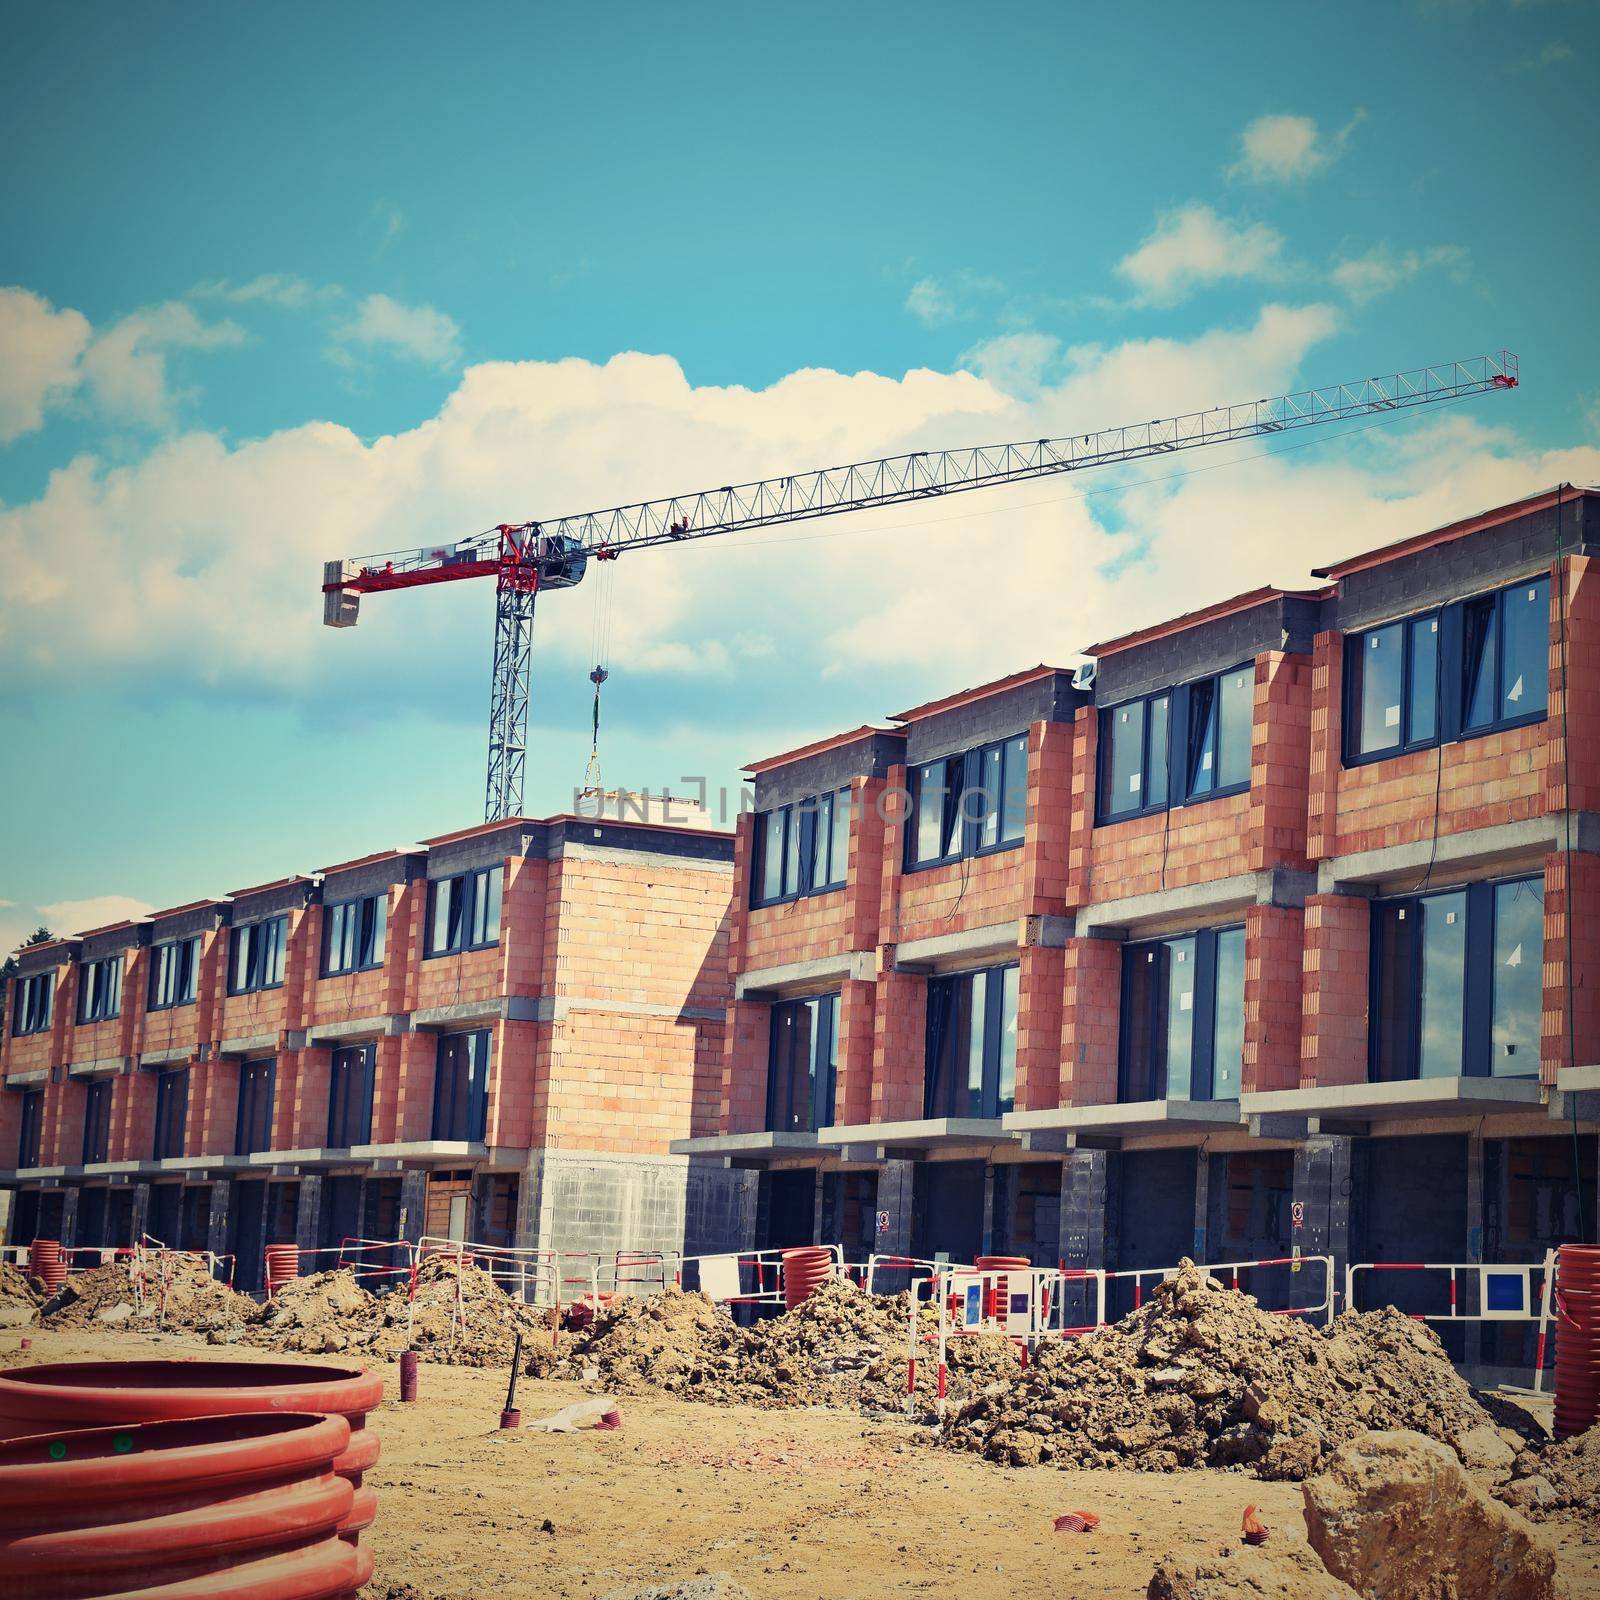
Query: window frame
point(940, 1011)
point(186, 976)
point(260, 954)
point(92, 986)
point(1183, 707)
point(469, 1042)
point(369, 940)
point(474, 900)
point(363, 1057)
point(822, 1066)
point(34, 1004)
point(1451, 699)
point(1478, 981)
point(956, 819)
point(97, 1121)
point(1202, 1017)
point(173, 1083)
point(1147, 807)
point(30, 1129)
point(802, 827)
point(254, 1073)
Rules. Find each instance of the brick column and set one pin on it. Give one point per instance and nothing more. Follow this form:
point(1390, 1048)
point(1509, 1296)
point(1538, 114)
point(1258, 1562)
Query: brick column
point(1088, 1225)
point(1334, 977)
point(1041, 978)
point(1570, 1026)
point(308, 1129)
point(1280, 757)
point(857, 1018)
point(419, 1054)
point(744, 1066)
point(1085, 745)
point(1090, 1021)
point(1047, 836)
point(870, 807)
point(899, 1043)
point(1273, 970)
point(1324, 1197)
point(1326, 737)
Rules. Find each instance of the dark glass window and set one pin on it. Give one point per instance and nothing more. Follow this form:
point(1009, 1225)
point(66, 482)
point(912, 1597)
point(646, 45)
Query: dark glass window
point(1182, 1034)
point(971, 1068)
point(1221, 711)
point(1507, 657)
point(464, 911)
point(255, 957)
point(97, 1121)
point(29, 1135)
point(253, 1126)
point(461, 1086)
point(30, 1012)
point(968, 804)
point(100, 989)
point(353, 934)
point(173, 966)
point(1457, 982)
point(172, 1110)
point(801, 848)
point(350, 1096)
point(1135, 746)
point(802, 1064)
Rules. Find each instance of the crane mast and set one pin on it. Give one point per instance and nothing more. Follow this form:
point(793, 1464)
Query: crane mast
point(553, 553)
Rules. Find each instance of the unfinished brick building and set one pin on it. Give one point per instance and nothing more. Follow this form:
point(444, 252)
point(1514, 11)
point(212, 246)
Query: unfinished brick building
point(1278, 932)
point(495, 1036)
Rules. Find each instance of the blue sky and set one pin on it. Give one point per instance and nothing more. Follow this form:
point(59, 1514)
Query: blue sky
point(283, 285)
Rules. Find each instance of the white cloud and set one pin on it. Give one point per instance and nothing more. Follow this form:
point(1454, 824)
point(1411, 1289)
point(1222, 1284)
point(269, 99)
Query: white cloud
point(1014, 362)
point(1192, 247)
point(282, 289)
point(1382, 269)
point(418, 333)
point(39, 351)
point(126, 366)
point(930, 303)
point(1283, 149)
point(69, 917)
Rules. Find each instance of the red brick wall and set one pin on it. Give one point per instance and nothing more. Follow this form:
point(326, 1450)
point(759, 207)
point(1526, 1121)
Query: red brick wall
point(1579, 1024)
point(1280, 760)
point(744, 1068)
point(1273, 944)
point(1583, 684)
point(898, 1045)
point(1041, 984)
point(1334, 990)
point(852, 1100)
point(1090, 1021)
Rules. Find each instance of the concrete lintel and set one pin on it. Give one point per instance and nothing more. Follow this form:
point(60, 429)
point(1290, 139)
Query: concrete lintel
point(440, 1152)
point(1048, 930)
point(791, 977)
point(1129, 1117)
point(1502, 845)
point(116, 1169)
point(100, 1067)
point(27, 1080)
point(1279, 1125)
point(1273, 886)
point(925, 1134)
point(557, 1008)
point(1046, 1141)
point(247, 1044)
point(166, 1058)
point(1401, 1100)
point(382, 1025)
point(499, 1008)
point(746, 1145)
point(953, 949)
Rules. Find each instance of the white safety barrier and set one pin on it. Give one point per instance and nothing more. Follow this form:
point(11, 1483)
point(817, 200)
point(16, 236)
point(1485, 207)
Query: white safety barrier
point(746, 1277)
point(1229, 1271)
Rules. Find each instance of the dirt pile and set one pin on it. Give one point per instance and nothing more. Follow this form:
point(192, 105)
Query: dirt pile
point(180, 1296)
point(18, 1290)
point(1201, 1375)
point(839, 1347)
point(460, 1316)
point(1559, 1480)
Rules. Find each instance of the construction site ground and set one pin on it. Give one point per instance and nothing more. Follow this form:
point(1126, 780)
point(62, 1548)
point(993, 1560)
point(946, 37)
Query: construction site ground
point(792, 1504)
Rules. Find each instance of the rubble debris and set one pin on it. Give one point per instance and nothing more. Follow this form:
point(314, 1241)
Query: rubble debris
point(1395, 1514)
point(1287, 1572)
point(709, 1586)
point(1200, 1375)
point(1558, 1480)
point(20, 1296)
point(185, 1298)
point(839, 1347)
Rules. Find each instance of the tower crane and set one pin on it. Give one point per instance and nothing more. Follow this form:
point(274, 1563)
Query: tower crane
point(549, 554)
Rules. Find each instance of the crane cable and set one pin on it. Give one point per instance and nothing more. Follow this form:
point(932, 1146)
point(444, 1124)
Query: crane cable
point(599, 653)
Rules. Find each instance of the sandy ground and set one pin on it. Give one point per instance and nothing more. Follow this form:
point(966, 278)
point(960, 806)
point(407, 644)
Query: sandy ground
point(794, 1505)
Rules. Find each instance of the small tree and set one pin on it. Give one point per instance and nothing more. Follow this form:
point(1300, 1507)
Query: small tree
point(8, 970)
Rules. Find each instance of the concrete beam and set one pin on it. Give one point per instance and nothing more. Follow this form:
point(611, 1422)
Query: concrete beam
point(100, 1067)
point(1276, 886)
point(384, 1025)
point(793, 977)
point(1507, 844)
point(248, 1044)
point(28, 1080)
point(1399, 1100)
point(757, 1146)
point(499, 1008)
point(927, 955)
point(165, 1058)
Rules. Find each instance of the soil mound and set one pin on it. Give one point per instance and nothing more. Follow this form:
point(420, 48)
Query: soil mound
point(1200, 1375)
point(18, 1289)
point(180, 1296)
point(1559, 1480)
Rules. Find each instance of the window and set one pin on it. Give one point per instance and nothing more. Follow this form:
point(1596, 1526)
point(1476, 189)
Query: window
point(172, 1111)
point(1465, 669)
point(802, 1064)
point(464, 913)
point(968, 804)
point(461, 1086)
point(352, 934)
point(1217, 754)
point(971, 1066)
point(97, 1121)
point(173, 967)
point(100, 989)
point(1457, 982)
point(350, 1096)
point(1182, 1035)
point(1135, 747)
point(31, 1009)
point(802, 848)
point(28, 1136)
point(256, 956)
point(253, 1126)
